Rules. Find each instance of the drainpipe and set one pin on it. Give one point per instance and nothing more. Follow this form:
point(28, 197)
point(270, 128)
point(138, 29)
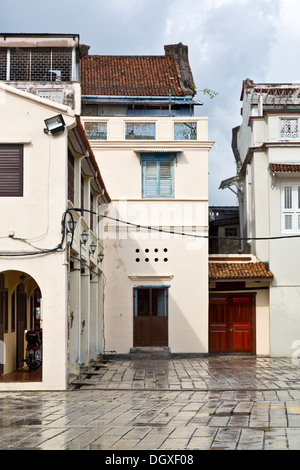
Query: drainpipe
point(8, 65)
point(73, 74)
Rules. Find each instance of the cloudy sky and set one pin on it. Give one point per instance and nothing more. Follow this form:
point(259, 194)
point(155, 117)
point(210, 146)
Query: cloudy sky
point(228, 40)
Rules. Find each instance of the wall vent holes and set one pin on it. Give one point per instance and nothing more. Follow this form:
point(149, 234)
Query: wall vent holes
point(148, 251)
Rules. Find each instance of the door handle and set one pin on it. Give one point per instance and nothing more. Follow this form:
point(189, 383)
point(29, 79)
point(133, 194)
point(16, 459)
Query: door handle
point(230, 329)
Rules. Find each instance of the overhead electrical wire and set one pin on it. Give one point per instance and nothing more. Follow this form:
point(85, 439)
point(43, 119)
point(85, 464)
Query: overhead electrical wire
point(172, 232)
point(59, 247)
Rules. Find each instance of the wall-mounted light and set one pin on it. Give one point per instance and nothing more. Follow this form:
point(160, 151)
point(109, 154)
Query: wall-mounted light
point(71, 225)
point(100, 257)
point(84, 238)
point(55, 125)
point(93, 247)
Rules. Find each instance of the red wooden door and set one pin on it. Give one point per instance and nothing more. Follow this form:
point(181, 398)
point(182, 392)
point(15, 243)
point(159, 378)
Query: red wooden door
point(231, 323)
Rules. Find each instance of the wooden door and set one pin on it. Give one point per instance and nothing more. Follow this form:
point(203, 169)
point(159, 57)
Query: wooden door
point(241, 337)
point(150, 317)
point(231, 323)
point(2, 313)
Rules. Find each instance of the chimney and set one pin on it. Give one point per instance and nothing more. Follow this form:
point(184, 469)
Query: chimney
point(180, 54)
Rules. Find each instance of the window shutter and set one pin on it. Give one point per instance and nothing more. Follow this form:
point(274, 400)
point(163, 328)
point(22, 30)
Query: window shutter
point(150, 179)
point(166, 180)
point(158, 175)
point(11, 170)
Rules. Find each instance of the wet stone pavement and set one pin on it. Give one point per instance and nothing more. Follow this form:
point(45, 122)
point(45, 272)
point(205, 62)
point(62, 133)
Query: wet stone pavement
point(211, 403)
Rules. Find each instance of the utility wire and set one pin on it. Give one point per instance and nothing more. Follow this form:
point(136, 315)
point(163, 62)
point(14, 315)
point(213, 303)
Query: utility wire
point(59, 247)
point(147, 227)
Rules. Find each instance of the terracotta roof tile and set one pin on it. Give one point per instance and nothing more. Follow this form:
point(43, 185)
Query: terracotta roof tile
point(284, 168)
point(219, 271)
point(130, 76)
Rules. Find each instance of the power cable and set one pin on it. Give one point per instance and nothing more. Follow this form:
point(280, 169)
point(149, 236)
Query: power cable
point(172, 232)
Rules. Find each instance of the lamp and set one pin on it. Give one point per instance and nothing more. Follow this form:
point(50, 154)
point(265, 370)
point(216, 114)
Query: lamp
point(55, 125)
point(84, 238)
point(100, 257)
point(71, 225)
point(93, 247)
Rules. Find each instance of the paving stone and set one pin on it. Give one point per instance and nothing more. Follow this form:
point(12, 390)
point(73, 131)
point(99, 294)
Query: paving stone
point(199, 403)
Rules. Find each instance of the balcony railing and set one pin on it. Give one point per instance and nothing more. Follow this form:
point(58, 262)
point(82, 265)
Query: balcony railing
point(185, 131)
point(96, 130)
point(140, 131)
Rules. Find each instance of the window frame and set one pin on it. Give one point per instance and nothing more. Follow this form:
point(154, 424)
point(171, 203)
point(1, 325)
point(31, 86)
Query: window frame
point(284, 136)
point(18, 190)
point(157, 159)
point(294, 210)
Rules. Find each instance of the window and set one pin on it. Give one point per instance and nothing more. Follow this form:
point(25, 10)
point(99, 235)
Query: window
point(40, 64)
point(11, 170)
point(151, 302)
point(140, 131)
point(289, 128)
point(185, 131)
point(290, 203)
point(157, 176)
point(70, 177)
point(231, 232)
point(96, 130)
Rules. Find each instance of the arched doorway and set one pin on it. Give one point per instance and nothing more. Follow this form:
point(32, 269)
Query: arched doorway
point(20, 302)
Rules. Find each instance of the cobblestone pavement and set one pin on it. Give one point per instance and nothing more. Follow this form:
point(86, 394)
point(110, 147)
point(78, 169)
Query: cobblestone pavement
point(165, 405)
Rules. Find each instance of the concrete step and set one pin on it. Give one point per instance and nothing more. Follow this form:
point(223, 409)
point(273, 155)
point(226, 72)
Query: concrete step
point(150, 352)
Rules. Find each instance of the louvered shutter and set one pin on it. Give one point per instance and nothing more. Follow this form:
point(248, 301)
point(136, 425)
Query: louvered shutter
point(158, 175)
point(165, 179)
point(150, 179)
point(11, 170)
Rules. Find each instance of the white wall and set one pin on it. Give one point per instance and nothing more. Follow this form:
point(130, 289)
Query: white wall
point(186, 271)
point(36, 218)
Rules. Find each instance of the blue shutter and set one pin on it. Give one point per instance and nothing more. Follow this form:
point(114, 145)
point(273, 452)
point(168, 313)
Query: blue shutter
point(166, 179)
point(150, 179)
point(158, 175)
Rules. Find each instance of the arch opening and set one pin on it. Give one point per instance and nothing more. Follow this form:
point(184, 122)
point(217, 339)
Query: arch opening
point(20, 312)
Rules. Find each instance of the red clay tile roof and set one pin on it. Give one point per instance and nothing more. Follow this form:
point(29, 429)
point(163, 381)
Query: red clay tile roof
point(220, 271)
point(283, 168)
point(130, 76)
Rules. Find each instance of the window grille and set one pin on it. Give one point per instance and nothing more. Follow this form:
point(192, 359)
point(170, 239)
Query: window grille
point(289, 128)
point(96, 130)
point(140, 131)
point(185, 131)
point(52, 95)
point(41, 64)
point(231, 232)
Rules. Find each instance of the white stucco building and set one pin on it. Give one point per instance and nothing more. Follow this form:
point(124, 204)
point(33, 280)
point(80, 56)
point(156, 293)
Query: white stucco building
point(49, 281)
point(266, 147)
point(153, 152)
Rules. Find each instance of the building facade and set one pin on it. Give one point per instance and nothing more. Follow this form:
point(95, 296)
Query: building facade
point(266, 148)
point(138, 113)
point(51, 277)
point(46, 65)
